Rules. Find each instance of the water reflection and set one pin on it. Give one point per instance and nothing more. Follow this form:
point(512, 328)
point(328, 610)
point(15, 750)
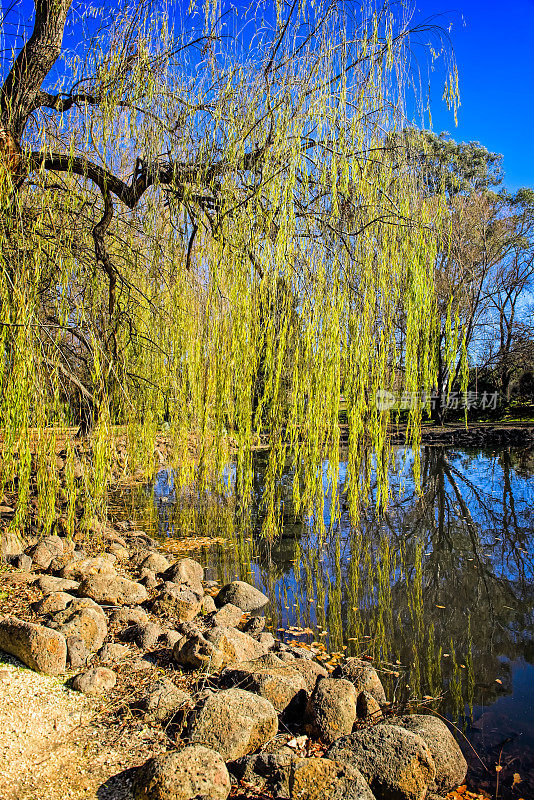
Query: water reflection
point(439, 587)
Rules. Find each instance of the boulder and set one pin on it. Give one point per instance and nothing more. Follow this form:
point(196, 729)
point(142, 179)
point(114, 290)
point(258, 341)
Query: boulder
point(38, 647)
point(95, 682)
point(45, 551)
point(164, 700)
point(194, 773)
point(280, 772)
point(310, 671)
point(451, 766)
point(368, 707)
point(267, 771)
point(266, 640)
point(270, 678)
point(77, 652)
point(82, 568)
point(228, 616)
point(363, 676)
point(156, 563)
point(331, 709)
point(171, 637)
point(129, 616)
point(187, 573)
point(254, 626)
point(52, 603)
point(176, 601)
point(112, 653)
point(396, 763)
point(85, 619)
point(21, 561)
point(149, 580)
point(113, 590)
point(322, 778)
point(207, 605)
point(49, 584)
point(195, 652)
point(235, 645)
point(234, 722)
point(145, 635)
point(119, 551)
point(243, 595)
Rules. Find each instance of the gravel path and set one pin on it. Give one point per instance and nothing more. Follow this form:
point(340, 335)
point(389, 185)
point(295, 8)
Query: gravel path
point(48, 748)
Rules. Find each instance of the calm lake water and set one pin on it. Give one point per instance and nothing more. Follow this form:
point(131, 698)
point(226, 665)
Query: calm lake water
point(439, 589)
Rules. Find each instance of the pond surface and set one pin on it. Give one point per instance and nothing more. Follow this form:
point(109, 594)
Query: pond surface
point(439, 589)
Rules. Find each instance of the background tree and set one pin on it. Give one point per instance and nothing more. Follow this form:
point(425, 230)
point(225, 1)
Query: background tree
point(486, 235)
point(508, 335)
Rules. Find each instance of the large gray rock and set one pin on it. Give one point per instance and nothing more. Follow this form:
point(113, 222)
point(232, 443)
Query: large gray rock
point(396, 763)
point(38, 647)
point(164, 700)
point(194, 773)
point(281, 773)
point(207, 605)
point(323, 779)
point(77, 652)
point(45, 551)
point(368, 708)
point(310, 671)
point(113, 590)
point(52, 603)
point(331, 709)
point(195, 652)
point(363, 676)
point(235, 645)
point(95, 682)
point(187, 573)
point(49, 584)
point(243, 595)
point(270, 678)
point(451, 766)
point(228, 616)
point(155, 562)
point(254, 626)
point(85, 619)
point(234, 722)
point(129, 616)
point(82, 568)
point(112, 653)
point(177, 601)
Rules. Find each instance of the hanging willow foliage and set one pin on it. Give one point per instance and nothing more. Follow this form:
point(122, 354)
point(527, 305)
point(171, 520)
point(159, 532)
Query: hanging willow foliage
point(212, 229)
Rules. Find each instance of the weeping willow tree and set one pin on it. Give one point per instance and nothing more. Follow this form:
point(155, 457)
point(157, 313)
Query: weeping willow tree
point(205, 225)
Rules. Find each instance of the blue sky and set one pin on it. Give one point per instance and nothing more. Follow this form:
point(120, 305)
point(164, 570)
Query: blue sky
point(494, 47)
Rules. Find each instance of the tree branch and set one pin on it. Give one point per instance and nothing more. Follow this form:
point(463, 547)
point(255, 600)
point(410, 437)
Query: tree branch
point(174, 174)
point(32, 65)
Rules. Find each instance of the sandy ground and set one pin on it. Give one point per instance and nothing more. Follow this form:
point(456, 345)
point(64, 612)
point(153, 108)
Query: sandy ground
point(55, 743)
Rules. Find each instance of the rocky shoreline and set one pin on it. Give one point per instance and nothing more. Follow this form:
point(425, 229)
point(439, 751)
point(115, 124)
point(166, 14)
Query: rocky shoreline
point(250, 716)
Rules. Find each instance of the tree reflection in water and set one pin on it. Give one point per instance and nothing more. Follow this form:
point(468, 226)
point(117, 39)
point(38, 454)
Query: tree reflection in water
point(439, 588)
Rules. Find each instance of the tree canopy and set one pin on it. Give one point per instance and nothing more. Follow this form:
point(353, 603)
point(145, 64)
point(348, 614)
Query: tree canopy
point(204, 225)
